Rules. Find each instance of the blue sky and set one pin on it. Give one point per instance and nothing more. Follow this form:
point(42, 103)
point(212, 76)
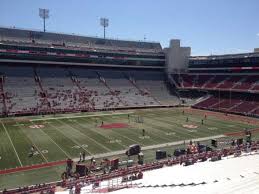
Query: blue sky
point(208, 26)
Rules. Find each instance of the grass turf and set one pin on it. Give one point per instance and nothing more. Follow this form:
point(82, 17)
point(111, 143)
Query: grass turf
point(61, 136)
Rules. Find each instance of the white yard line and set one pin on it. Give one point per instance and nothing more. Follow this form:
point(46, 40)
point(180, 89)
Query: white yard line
point(107, 149)
point(12, 144)
point(79, 116)
point(46, 160)
point(155, 146)
point(56, 144)
point(137, 142)
point(168, 123)
point(96, 131)
point(150, 125)
point(75, 142)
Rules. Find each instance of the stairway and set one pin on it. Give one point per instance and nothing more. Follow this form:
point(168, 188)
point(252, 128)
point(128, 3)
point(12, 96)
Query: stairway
point(222, 82)
point(216, 105)
point(236, 105)
point(75, 81)
point(239, 82)
point(172, 81)
point(205, 84)
point(133, 82)
point(109, 88)
point(252, 111)
point(38, 82)
point(5, 111)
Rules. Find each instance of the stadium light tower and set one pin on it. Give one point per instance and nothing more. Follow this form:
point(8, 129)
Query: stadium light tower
point(44, 14)
point(104, 23)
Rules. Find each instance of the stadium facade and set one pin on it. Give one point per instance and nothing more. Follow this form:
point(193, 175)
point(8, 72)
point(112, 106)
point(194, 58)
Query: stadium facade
point(43, 72)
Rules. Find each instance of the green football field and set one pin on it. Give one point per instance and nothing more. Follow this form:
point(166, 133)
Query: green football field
point(64, 136)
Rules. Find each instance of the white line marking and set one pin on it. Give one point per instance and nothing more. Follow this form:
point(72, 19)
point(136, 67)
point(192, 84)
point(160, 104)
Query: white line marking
point(56, 144)
point(96, 131)
point(155, 146)
point(107, 149)
point(46, 160)
point(79, 116)
point(12, 144)
point(72, 140)
point(113, 131)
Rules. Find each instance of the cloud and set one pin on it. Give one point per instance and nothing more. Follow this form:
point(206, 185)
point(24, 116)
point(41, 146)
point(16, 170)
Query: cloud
point(257, 34)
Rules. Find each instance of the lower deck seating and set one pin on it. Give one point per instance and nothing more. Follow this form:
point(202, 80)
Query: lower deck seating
point(32, 89)
point(21, 91)
point(128, 94)
point(62, 94)
point(94, 87)
point(155, 87)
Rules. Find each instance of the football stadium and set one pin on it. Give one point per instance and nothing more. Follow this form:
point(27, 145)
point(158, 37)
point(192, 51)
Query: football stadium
point(82, 114)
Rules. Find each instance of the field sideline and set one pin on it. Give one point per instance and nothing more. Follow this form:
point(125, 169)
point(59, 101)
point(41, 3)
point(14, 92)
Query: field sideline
point(59, 137)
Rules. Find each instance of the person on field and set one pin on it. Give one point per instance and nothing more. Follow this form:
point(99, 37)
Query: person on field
point(32, 150)
point(143, 132)
point(91, 160)
point(83, 156)
point(80, 156)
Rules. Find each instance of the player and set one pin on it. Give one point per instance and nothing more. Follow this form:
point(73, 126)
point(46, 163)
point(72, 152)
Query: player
point(83, 156)
point(32, 150)
point(143, 132)
point(187, 119)
point(91, 160)
point(202, 121)
point(80, 156)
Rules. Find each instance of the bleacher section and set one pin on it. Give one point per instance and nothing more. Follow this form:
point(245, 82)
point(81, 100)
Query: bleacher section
point(125, 90)
point(217, 82)
point(2, 99)
point(43, 89)
point(233, 93)
point(94, 87)
point(21, 92)
point(78, 73)
point(61, 93)
point(155, 87)
point(237, 103)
